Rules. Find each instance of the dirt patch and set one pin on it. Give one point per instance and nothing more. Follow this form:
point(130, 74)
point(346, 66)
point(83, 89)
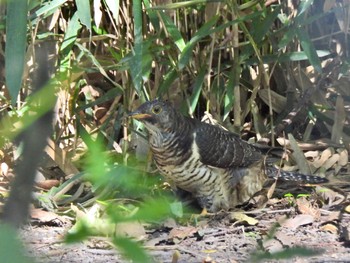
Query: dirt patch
point(215, 239)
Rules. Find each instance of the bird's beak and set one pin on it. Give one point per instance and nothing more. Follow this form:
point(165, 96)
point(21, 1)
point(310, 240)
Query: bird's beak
point(138, 115)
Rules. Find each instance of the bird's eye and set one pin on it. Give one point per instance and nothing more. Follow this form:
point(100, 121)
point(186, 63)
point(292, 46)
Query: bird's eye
point(157, 109)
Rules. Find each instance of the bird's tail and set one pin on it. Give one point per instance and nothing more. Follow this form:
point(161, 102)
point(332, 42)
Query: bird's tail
point(275, 173)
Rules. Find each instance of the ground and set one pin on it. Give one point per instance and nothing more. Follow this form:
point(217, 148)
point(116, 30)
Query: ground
point(225, 237)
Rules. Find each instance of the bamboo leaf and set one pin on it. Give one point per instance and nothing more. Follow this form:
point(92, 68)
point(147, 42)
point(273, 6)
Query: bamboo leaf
point(113, 6)
point(204, 31)
point(309, 49)
point(97, 64)
point(47, 9)
point(169, 78)
point(152, 14)
point(197, 90)
point(174, 33)
point(84, 13)
point(136, 61)
point(71, 34)
point(16, 37)
point(292, 56)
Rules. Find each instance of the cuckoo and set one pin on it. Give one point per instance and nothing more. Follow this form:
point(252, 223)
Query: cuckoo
point(217, 167)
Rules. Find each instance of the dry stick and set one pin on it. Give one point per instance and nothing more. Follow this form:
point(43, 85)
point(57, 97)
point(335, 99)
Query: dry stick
point(34, 138)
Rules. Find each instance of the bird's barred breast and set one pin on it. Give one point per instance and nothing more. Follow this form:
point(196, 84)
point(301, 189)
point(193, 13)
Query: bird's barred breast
point(186, 171)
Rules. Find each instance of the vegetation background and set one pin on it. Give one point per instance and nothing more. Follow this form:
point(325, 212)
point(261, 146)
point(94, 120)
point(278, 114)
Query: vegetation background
point(271, 71)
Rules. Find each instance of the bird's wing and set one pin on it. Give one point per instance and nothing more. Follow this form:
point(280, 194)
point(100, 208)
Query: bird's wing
point(222, 149)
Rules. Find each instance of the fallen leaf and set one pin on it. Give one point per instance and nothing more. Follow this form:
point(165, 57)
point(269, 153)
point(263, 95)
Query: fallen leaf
point(331, 161)
point(312, 154)
point(286, 240)
point(347, 209)
point(343, 157)
point(45, 217)
point(329, 228)
point(241, 217)
point(182, 232)
point(333, 216)
point(130, 229)
point(283, 141)
point(176, 257)
point(305, 207)
point(208, 260)
point(299, 220)
point(325, 155)
point(47, 184)
point(272, 245)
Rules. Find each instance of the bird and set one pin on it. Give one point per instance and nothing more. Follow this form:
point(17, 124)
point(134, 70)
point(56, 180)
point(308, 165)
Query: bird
point(216, 166)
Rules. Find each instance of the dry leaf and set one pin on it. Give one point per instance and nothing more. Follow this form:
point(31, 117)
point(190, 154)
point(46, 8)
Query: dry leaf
point(272, 245)
point(299, 156)
point(130, 229)
point(339, 120)
point(305, 207)
point(241, 217)
point(331, 161)
point(271, 190)
point(48, 184)
point(312, 154)
point(299, 220)
point(4, 169)
point(182, 232)
point(283, 142)
point(175, 257)
point(329, 228)
point(278, 102)
point(343, 157)
point(286, 240)
point(326, 154)
point(333, 216)
point(347, 209)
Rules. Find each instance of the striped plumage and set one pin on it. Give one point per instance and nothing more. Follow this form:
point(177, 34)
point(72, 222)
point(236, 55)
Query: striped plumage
point(216, 166)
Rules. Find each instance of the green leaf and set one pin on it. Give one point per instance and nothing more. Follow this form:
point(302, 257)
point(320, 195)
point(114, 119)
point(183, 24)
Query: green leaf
point(113, 6)
point(153, 210)
point(229, 97)
point(136, 61)
point(174, 33)
point(111, 94)
point(131, 250)
point(80, 233)
point(48, 8)
point(287, 37)
point(168, 79)
point(287, 253)
point(84, 13)
point(11, 249)
point(259, 32)
point(303, 7)
point(71, 34)
point(197, 87)
point(97, 64)
point(16, 37)
point(309, 48)
point(181, 4)
point(204, 31)
point(152, 14)
point(262, 28)
point(292, 56)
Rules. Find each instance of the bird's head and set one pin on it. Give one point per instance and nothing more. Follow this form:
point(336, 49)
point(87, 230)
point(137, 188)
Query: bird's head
point(157, 115)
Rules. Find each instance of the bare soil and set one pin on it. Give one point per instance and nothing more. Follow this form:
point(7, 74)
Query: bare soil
point(216, 238)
